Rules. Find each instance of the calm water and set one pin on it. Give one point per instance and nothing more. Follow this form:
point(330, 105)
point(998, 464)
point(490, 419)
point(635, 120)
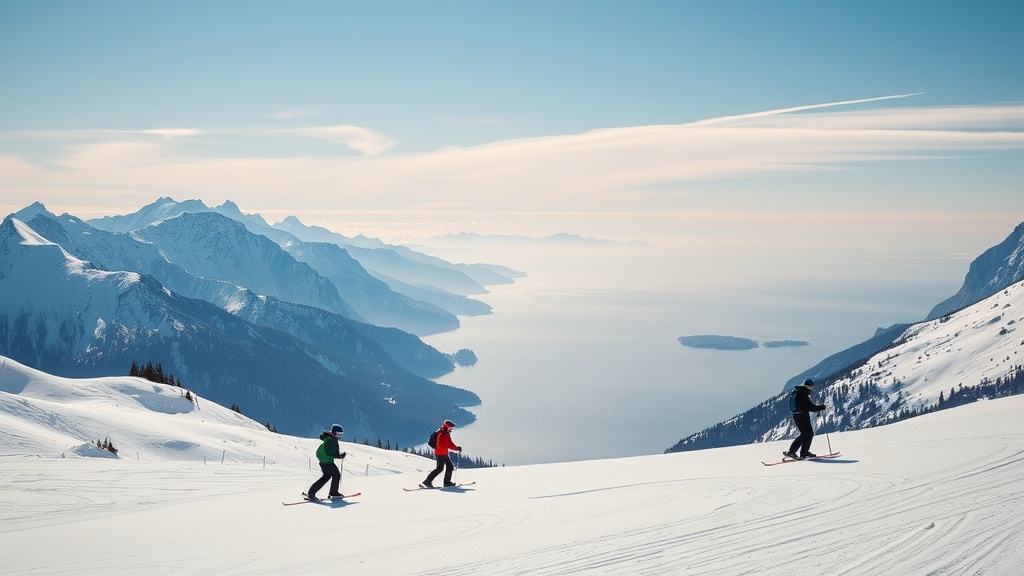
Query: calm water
point(580, 359)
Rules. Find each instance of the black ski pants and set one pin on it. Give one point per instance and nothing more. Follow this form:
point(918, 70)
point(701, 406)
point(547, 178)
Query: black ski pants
point(330, 472)
point(803, 441)
point(445, 463)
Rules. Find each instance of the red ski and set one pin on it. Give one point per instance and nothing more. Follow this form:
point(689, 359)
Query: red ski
point(788, 460)
point(437, 487)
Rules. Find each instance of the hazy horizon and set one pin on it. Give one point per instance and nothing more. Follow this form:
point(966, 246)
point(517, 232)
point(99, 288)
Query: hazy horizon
point(582, 352)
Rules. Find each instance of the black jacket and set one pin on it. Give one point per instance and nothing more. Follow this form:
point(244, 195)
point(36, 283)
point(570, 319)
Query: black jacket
point(800, 401)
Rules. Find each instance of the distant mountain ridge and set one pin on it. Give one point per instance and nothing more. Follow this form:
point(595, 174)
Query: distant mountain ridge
point(119, 251)
point(373, 284)
point(973, 335)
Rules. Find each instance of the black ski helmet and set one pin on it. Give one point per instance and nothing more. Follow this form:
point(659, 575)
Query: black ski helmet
point(809, 383)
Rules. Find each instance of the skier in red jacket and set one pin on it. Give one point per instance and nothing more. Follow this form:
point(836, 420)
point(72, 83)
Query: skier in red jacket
point(444, 445)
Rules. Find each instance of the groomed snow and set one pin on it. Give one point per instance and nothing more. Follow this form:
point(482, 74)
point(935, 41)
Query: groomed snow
point(938, 494)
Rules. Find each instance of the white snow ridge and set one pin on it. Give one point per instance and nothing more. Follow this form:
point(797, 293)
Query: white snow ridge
point(197, 489)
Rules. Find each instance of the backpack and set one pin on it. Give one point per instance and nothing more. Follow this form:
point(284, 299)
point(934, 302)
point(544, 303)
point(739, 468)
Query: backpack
point(792, 400)
point(432, 441)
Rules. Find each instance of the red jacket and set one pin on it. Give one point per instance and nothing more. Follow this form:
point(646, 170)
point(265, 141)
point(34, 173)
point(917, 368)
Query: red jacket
point(444, 443)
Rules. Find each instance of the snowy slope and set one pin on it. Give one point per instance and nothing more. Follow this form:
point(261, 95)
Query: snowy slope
point(50, 417)
point(940, 493)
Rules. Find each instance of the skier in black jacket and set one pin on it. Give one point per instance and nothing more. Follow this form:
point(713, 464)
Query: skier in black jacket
point(801, 405)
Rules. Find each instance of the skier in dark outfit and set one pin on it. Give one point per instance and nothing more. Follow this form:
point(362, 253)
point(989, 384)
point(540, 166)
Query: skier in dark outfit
point(801, 405)
point(444, 445)
point(326, 454)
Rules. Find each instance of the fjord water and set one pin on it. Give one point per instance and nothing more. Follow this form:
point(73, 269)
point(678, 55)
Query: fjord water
point(580, 359)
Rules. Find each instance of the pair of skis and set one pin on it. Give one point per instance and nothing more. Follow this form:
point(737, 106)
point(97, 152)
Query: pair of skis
point(328, 502)
point(306, 499)
point(437, 487)
point(788, 460)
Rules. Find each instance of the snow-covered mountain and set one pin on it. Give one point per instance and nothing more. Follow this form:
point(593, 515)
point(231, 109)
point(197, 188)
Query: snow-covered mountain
point(308, 233)
point(997, 267)
point(158, 211)
point(390, 286)
point(344, 337)
point(976, 352)
point(382, 305)
point(419, 305)
point(62, 315)
point(209, 245)
point(196, 489)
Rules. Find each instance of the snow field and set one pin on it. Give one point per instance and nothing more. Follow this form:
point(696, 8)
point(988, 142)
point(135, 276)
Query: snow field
point(939, 494)
point(936, 494)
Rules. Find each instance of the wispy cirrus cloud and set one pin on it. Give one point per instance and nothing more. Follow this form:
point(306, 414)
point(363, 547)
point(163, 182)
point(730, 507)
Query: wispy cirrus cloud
point(652, 168)
point(359, 139)
point(100, 134)
point(369, 142)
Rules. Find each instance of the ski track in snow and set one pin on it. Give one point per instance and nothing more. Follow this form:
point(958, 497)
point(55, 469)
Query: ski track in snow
point(869, 511)
point(816, 517)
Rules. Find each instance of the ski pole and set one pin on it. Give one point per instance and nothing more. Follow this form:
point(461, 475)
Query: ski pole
point(826, 435)
point(341, 473)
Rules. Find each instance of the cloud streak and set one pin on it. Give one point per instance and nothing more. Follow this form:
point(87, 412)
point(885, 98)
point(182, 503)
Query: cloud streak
point(756, 115)
point(363, 140)
point(101, 134)
point(650, 168)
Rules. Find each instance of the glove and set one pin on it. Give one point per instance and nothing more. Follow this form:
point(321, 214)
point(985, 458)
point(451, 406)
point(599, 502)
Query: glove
point(342, 455)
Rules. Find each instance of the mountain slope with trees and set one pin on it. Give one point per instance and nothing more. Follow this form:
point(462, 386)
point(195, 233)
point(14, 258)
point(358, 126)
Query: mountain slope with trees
point(65, 316)
point(960, 356)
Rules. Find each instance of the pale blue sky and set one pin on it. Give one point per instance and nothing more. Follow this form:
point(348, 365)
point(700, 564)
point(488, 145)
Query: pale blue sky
point(534, 111)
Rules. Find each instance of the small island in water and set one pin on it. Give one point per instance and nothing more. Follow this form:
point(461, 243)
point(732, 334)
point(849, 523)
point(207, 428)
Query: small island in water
point(783, 343)
point(464, 357)
point(733, 342)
